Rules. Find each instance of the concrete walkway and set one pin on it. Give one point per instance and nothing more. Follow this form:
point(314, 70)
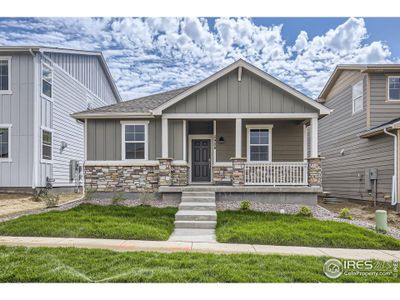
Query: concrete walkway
point(161, 246)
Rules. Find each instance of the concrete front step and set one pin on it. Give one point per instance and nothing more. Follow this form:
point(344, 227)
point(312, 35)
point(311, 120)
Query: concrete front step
point(197, 206)
point(198, 199)
point(194, 215)
point(196, 224)
point(198, 194)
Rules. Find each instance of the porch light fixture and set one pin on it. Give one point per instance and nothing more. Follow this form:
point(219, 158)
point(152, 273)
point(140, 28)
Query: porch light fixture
point(221, 140)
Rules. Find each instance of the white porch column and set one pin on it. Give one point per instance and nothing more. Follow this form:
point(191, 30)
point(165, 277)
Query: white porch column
point(314, 137)
point(164, 139)
point(238, 139)
point(305, 142)
point(184, 140)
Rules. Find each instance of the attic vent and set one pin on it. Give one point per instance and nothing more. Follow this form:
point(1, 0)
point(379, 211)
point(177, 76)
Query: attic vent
point(240, 74)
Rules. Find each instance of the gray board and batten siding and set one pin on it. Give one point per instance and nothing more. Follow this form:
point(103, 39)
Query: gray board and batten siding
point(104, 139)
point(16, 109)
point(250, 95)
point(88, 71)
point(346, 156)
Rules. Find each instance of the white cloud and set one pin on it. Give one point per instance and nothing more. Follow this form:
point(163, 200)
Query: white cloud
point(147, 55)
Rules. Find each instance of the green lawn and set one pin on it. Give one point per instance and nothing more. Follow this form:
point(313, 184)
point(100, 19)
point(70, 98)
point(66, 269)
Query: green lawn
point(96, 221)
point(19, 264)
point(277, 229)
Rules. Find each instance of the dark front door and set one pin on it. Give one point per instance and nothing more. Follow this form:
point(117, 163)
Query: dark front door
point(201, 162)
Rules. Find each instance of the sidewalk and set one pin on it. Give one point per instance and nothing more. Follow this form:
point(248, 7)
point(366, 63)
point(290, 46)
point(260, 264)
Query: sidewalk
point(161, 246)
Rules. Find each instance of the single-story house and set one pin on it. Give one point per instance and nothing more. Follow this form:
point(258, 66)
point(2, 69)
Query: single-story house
point(239, 132)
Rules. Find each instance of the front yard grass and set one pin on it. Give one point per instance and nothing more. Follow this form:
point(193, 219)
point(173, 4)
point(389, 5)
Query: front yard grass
point(290, 230)
point(20, 264)
point(96, 221)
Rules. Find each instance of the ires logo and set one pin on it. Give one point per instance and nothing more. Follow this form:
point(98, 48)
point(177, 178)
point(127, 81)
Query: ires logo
point(334, 268)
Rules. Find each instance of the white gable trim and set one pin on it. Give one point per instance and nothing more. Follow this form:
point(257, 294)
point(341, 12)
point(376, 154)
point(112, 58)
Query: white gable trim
point(241, 63)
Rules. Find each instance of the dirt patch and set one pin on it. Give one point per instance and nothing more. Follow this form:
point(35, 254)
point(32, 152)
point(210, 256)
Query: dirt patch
point(11, 204)
point(363, 211)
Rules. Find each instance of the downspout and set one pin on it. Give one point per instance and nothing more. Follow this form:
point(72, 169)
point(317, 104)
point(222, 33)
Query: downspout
point(35, 120)
point(394, 179)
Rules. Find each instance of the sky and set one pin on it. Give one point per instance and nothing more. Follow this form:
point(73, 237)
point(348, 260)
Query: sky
point(150, 55)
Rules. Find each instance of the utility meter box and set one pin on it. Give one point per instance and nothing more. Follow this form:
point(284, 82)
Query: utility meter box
point(73, 170)
point(370, 176)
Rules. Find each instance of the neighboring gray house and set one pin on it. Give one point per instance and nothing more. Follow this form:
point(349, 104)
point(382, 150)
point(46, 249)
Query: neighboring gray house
point(358, 140)
point(39, 88)
point(237, 133)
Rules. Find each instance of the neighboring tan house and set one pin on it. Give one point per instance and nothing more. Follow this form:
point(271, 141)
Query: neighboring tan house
point(358, 139)
point(238, 133)
point(40, 143)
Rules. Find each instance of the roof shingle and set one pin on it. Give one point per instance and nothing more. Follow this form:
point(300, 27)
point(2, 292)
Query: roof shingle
point(143, 104)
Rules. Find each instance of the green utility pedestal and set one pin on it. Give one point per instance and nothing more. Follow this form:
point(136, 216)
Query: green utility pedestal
point(381, 220)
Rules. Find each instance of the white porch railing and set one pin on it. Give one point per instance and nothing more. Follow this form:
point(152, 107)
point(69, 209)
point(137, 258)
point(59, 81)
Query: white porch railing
point(276, 173)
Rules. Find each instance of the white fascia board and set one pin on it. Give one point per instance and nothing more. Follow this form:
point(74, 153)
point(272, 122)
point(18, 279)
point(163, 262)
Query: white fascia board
point(241, 63)
point(112, 115)
point(292, 116)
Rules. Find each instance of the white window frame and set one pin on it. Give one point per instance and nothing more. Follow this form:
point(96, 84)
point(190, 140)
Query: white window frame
point(260, 126)
point(353, 98)
point(9, 91)
point(146, 139)
point(388, 88)
point(52, 81)
point(7, 126)
point(43, 160)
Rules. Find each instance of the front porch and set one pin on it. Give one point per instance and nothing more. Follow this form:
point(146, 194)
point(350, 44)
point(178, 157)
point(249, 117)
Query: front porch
point(250, 151)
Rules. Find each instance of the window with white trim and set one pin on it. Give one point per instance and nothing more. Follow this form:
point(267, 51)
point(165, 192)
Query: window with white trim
point(134, 140)
point(47, 81)
point(358, 97)
point(259, 144)
point(47, 144)
point(394, 87)
point(5, 143)
point(5, 74)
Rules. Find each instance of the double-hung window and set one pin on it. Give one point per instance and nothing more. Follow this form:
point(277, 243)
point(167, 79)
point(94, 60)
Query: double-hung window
point(5, 142)
point(5, 74)
point(47, 144)
point(393, 88)
point(357, 97)
point(259, 143)
point(134, 140)
point(47, 81)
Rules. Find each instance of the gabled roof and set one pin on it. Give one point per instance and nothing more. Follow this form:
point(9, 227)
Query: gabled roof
point(363, 68)
point(141, 106)
point(243, 64)
point(99, 54)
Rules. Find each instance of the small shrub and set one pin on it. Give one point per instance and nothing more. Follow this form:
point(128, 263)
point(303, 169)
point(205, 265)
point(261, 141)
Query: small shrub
point(89, 192)
point(146, 197)
point(51, 199)
point(118, 198)
point(245, 205)
point(305, 211)
point(345, 214)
